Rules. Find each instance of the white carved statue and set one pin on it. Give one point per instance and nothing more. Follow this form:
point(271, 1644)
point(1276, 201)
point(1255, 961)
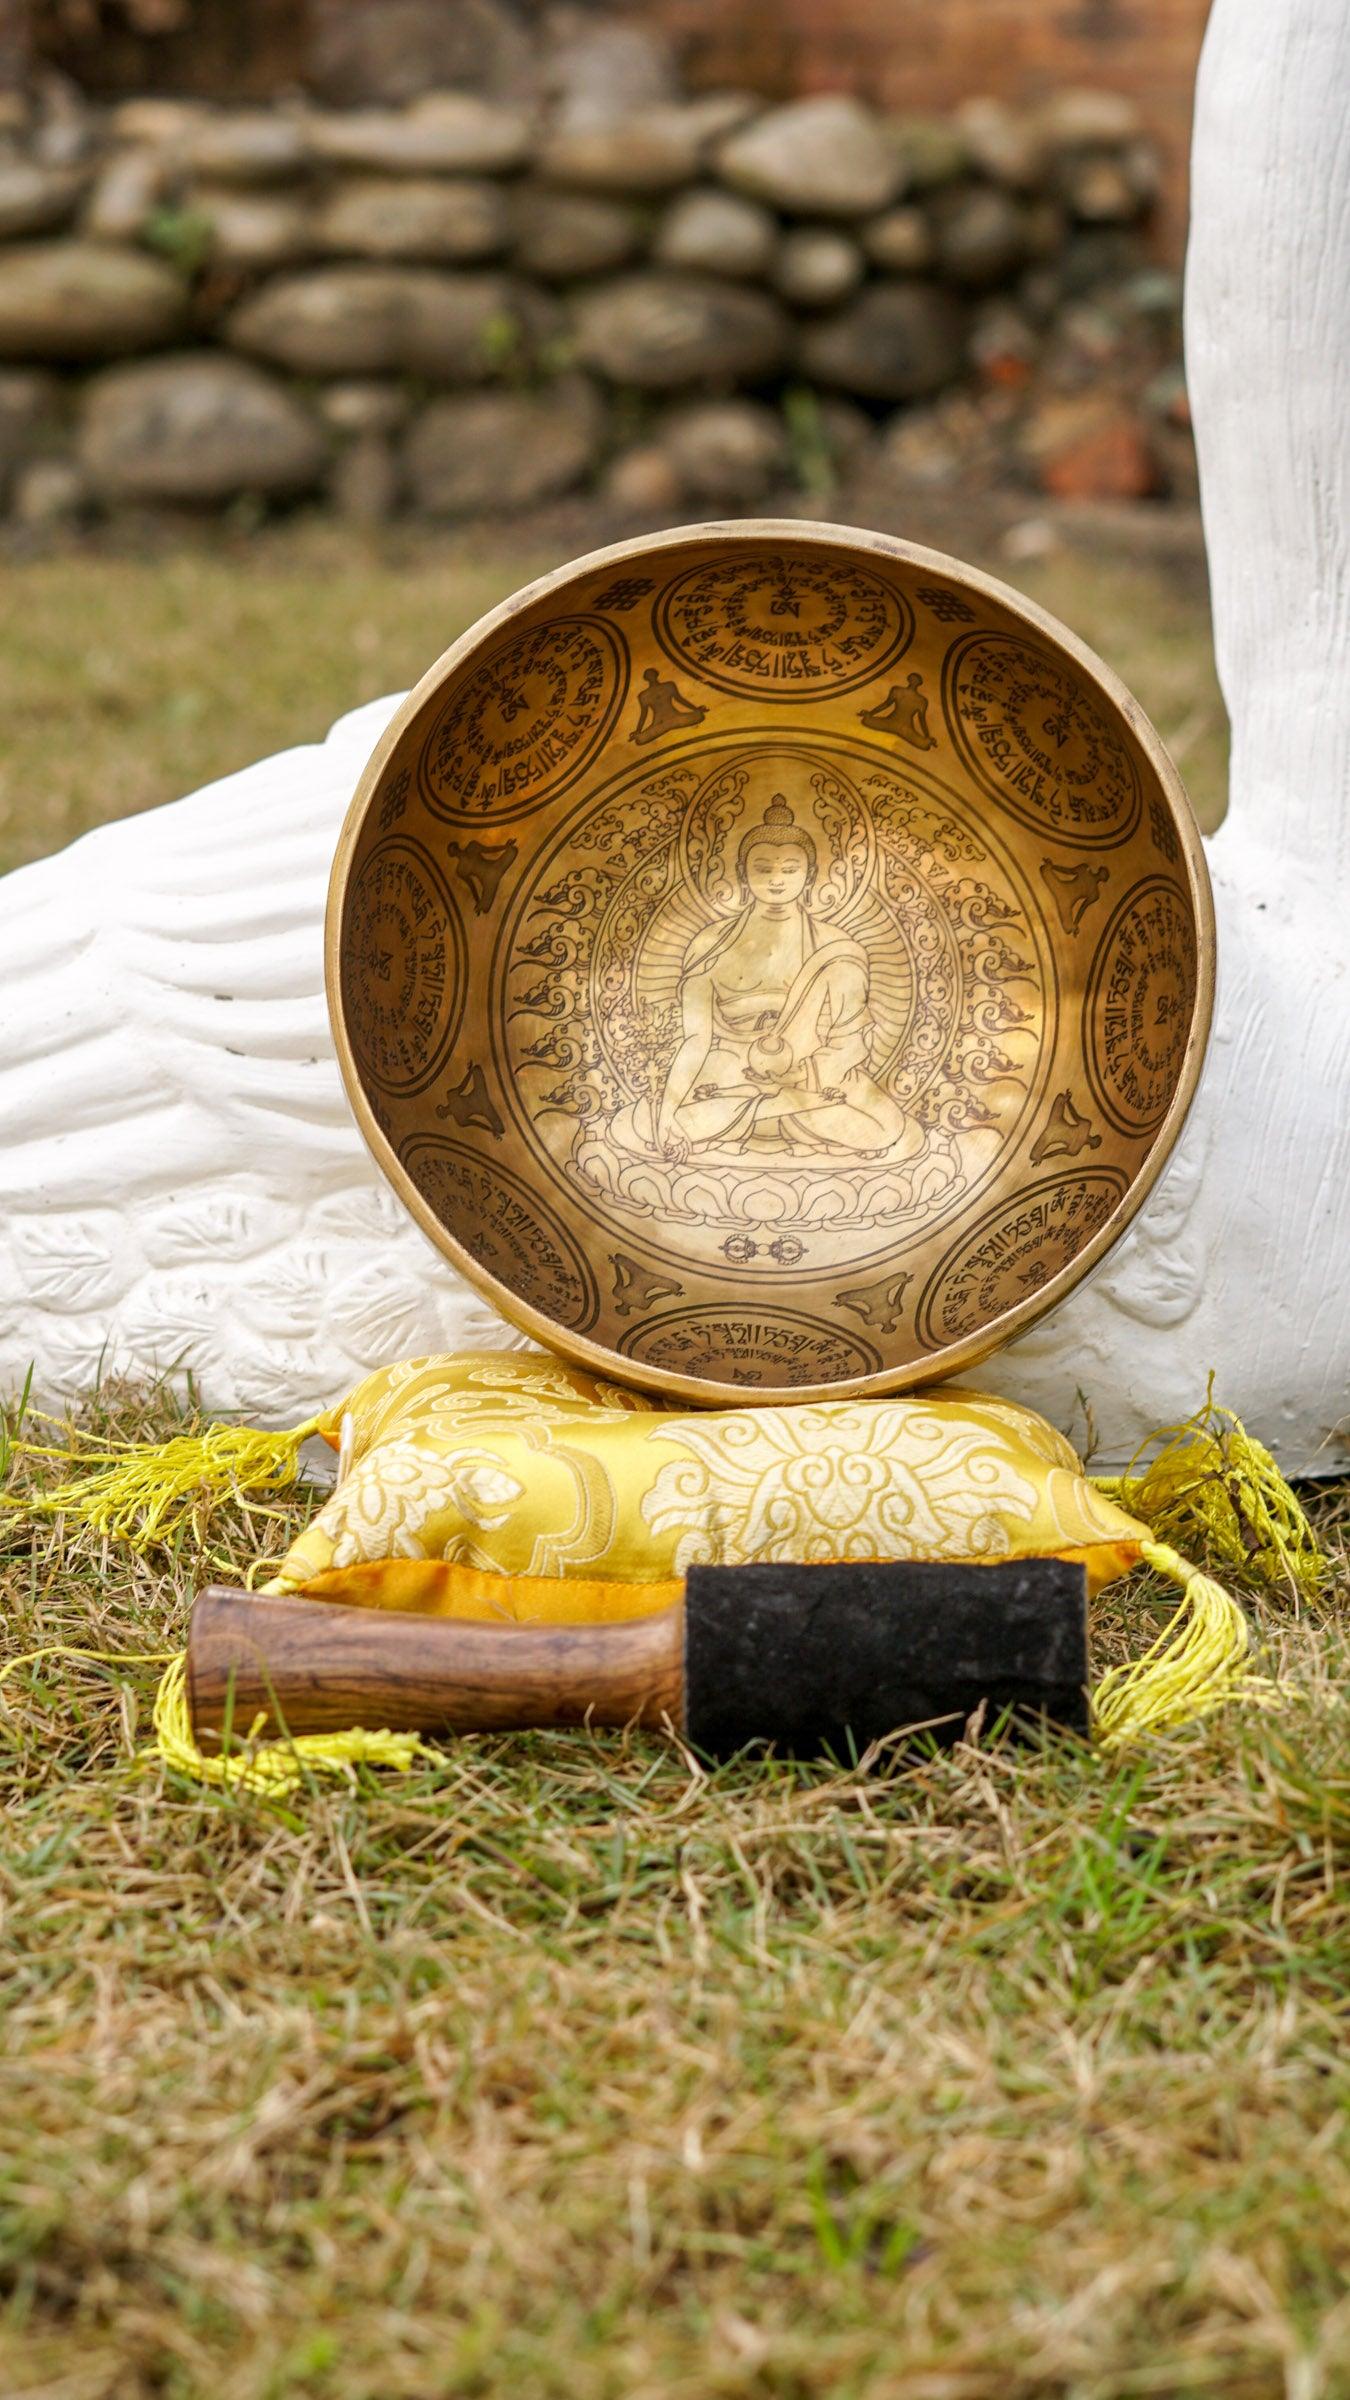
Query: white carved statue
point(181, 1182)
point(1241, 1261)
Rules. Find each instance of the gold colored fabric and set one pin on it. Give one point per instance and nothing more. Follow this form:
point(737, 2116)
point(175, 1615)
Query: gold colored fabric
point(489, 1484)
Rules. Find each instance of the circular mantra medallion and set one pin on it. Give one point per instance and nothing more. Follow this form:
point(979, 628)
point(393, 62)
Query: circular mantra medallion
point(1014, 1249)
point(1140, 1000)
point(771, 627)
point(1028, 730)
point(527, 722)
point(753, 1346)
point(403, 980)
point(510, 1234)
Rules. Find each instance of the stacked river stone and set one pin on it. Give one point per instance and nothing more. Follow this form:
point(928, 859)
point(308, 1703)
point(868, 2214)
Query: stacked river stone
point(458, 307)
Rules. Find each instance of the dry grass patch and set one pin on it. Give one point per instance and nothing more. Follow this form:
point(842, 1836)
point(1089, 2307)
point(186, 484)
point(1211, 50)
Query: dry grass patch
point(561, 2067)
point(130, 677)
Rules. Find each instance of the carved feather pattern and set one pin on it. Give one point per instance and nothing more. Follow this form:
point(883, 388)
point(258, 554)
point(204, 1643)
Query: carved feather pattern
point(178, 1167)
point(182, 1188)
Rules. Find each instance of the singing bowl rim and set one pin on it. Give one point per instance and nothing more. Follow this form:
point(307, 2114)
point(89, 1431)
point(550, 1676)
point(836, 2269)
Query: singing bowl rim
point(955, 1357)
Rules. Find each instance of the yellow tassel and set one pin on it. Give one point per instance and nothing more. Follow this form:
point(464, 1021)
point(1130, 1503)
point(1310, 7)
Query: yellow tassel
point(146, 1492)
point(274, 1768)
point(111, 1658)
point(1212, 1486)
point(1201, 1659)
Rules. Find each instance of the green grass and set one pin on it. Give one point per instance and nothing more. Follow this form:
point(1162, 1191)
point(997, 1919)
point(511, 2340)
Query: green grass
point(562, 2067)
point(130, 677)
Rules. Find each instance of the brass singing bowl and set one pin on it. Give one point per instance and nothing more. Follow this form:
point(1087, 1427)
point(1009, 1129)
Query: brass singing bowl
point(771, 961)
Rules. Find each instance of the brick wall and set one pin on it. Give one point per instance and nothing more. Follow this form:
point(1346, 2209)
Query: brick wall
point(931, 54)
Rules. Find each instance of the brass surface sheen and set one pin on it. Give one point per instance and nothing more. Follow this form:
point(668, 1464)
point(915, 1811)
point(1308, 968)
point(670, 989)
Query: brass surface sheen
point(771, 961)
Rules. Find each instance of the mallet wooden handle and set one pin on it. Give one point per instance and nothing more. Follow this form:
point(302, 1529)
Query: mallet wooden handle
point(317, 1668)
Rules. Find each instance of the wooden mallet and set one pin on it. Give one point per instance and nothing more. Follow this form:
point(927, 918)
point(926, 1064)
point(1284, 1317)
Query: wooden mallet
point(808, 1658)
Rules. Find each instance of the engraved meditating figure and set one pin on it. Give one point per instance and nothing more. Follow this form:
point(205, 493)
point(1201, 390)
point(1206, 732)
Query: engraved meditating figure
point(776, 1049)
point(662, 709)
point(904, 713)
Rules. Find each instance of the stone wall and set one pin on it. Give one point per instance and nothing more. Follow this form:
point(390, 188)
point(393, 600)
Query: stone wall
point(906, 55)
point(910, 54)
point(460, 306)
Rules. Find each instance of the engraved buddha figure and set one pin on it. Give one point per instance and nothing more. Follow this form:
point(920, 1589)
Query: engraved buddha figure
point(775, 1055)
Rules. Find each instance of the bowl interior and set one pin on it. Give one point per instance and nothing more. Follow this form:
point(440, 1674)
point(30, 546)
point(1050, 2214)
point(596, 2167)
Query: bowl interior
point(770, 960)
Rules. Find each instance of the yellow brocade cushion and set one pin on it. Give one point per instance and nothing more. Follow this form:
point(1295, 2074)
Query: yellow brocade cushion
point(494, 1484)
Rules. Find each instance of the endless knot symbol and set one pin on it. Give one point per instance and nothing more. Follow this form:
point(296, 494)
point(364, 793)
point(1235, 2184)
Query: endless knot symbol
point(946, 607)
point(395, 800)
point(626, 593)
point(1164, 831)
